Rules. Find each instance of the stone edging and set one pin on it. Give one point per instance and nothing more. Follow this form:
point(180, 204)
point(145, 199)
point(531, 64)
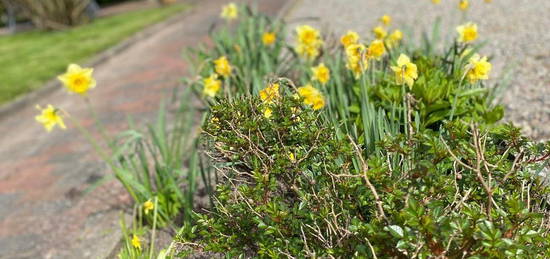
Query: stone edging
point(53, 84)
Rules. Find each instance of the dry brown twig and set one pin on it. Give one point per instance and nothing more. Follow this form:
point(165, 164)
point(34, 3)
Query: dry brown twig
point(365, 169)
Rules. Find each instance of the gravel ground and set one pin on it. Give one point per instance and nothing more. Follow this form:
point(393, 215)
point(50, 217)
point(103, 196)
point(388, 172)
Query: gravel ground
point(517, 32)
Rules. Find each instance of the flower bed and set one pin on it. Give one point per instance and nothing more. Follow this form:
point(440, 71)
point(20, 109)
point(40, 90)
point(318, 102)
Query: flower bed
point(351, 148)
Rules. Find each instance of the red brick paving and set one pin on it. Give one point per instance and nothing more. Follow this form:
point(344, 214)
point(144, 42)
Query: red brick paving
point(43, 213)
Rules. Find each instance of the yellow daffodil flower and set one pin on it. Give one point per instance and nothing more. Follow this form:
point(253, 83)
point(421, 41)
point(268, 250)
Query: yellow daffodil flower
point(356, 66)
point(385, 19)
point(136, 242)
point(307, 51)
point(295, 112)
point(268, 38)
point(467, 32)
point(212, 85)
point(349, 38)
point(307, 34)
point(230, 11)
point(291, 157)
point(268, 112)
point(49, 117)
point(321, 73)
point(357, 59)
point(148, 206)
point(379, 32)
point(78, 80)
point(222, 66)
point(376, 49)
point(270, 93)
point(355, 50)
point(395, 37)
point(463, 5)
point(309, 42)
point(405, 71)
point(312, 96)
point(436, 1)
point(478, 68)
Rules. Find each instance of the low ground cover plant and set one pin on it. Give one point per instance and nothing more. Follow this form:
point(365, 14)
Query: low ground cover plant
point(290, 188)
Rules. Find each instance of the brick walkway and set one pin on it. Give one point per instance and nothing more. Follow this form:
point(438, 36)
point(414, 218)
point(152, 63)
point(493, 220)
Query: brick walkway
point(43, 213)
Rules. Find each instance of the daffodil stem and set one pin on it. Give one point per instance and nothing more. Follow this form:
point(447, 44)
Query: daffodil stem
point(92, 141)
point(154, 229)
point(405, 109)
point(456, 98)
point(99, 124)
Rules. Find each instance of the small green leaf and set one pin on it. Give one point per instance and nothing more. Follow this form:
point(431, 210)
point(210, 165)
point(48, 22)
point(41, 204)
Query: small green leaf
point(395, 230)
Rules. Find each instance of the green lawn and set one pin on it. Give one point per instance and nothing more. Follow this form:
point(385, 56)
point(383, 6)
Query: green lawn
point(29, 59)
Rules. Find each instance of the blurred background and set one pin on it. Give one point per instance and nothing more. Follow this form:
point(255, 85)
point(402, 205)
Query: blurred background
point(18, 15)
point(44, 36)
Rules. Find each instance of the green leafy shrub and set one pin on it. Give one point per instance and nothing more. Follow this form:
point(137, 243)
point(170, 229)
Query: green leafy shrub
point(470, 192)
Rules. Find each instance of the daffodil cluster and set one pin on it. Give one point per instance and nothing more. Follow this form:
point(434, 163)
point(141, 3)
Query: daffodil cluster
point(357, 59)
point(213, 84)
point(222, 66)
point(349, 38)
point(309, 42)
point(380, 32)
point(76, 80)
point(358, 54)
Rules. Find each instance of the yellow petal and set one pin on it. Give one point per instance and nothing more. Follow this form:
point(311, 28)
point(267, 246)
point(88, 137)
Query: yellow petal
point(73, 68)
point(403, 60)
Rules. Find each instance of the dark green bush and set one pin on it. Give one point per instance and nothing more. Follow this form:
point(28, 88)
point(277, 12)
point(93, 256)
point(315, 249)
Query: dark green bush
point(467, 191)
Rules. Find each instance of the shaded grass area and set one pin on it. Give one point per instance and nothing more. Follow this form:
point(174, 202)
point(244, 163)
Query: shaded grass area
point(30, 59)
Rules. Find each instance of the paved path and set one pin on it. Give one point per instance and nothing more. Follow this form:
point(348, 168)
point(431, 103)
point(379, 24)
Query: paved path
point(516, 31)
point(43, 213)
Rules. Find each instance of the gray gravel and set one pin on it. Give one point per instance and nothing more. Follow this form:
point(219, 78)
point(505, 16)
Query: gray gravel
point(517, 31)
